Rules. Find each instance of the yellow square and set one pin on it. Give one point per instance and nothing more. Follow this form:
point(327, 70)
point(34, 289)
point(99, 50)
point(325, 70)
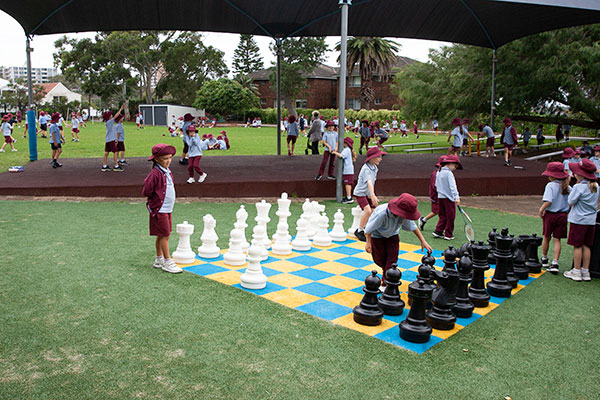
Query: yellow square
point(282, 257)
point(331, 246)
point(195, 262)
point(517, 289)
point(226, 277)
point(409, 247)
point(372, 267)
point(221, 263)
point(411, 257)
point(341, 282)
point(364, 255)
point(348, 299)
point(348, 321)
point(537, 275)
point(485, 310)
point(290, 297)
point(334, 268)
point(356, 245)
point(447, 334)
point(288, 280)
point(284, 266)
point(328, 255)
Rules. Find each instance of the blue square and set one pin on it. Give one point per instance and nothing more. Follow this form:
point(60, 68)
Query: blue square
point(349, 251)
point(209, 259)
point(397, 318)
point(467, 321)
point(527, 281)
point(307, 260)
point(343, 242)
point(392, 336)
point(409, 276)
point(312, 250)
point(359, 275)
point(270, 272)
point(402, 252)
point(497, 300)
point(358, 290)
point(312, 274)
point(318, 289)
point(270, 259)
point(271, 287)
point(355, 262)
point(325, 309)
point(406, 263)
point(204, 269)
point(434, 253)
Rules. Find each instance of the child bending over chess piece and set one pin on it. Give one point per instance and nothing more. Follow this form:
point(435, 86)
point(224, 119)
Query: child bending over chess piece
point(160, 191)
point(384, 225)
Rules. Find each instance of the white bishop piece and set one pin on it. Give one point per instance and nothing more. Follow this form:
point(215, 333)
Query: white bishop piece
point(235, 255)
point(209, 239)
point(322, 237)
point(258, 236)
point(356, 214)
point(338, 234)
point(241, 217)
point(282, 245)
point(253, 277)
point(184, 253)
point(262, 218)
point(301, 242)
point(283, 212)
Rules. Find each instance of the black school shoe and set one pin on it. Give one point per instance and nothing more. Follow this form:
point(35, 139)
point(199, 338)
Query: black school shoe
point(106, 168)
point(360, 235)
point(118, 168)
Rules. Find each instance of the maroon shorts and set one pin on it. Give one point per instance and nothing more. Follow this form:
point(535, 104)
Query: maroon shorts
point(110, 147)
point(382, 140)
point(454, 148)
point(185, 148)
point(348, 179)
point(61, 128)
point(385, 252)
point(364, 201)
point(490, 141)
point(555, 225)
point(121, 146)
point(435, 207)
point(581, 235)
point(509, 146)
point(55, 146)
point(75, 130)
point(160, 224)
point(465, 142)
point(8, 139)
point(292, 139)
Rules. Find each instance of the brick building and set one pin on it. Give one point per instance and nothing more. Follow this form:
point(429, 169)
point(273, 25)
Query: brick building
point(322, 90)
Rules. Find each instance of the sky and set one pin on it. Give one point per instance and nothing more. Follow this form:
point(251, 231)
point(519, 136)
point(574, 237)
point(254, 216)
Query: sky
point(12, 40)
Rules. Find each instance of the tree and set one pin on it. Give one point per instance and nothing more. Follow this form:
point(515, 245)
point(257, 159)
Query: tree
point(246, 57)
point(299, 57)
point(371, 56)
point(225, 97)
point(15, 96)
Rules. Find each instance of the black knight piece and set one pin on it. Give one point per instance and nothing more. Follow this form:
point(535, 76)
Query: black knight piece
point(477, 293)
point(368, 311)
point(499, 286)
point(492, 243)
point(464, 307)
point(533, 262)
point(444, 298)
point(390, 301)
point(521, 271)
point(415, 327)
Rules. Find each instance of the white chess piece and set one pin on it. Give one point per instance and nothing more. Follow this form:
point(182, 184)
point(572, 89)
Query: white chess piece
point(235, 255)
point(184, 253)
point(209, 238)
point(283, 212)
point(253, 277)
point(241, 217)
point(262, 218)
point(301, 242)
point(313, 219)
point(322, 237)
point(282, 245)
point(357, 213)
point(305, 209)
point(338, 234)
point(258, 236)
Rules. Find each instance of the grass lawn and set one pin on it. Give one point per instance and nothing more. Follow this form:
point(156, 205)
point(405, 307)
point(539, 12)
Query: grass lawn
point(84, 315)
point(244, 141)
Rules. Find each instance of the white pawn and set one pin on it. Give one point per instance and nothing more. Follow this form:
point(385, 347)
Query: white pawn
point(241, 217)
point(258, 235)
point(262, 218)
point(357, 213)
point(338, 234)
point(209, 239)
point(282, 246)
point(322, 237)
point(235, 255)
point(253, 277)
point(313, 220)
point(305, 209)
point(301, 242)
point(184, 253)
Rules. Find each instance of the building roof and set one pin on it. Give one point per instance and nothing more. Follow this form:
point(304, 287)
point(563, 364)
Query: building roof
point(46, 88)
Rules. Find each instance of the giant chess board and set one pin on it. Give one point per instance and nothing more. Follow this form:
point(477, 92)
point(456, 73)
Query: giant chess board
point(327, 282)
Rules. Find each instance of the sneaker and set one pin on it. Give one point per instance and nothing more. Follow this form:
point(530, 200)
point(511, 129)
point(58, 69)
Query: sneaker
point(118, 168)
point(360, 235)
point(14, 150)
point(360, 151)
point(448, 237)
point(585, 275)
point(106, 168)
point(553, 268)
point(202, 177)
point(506, 164)
point(437, 234)
point(54, 164)
point(545, 262)
point(123, 162)
point(58, 164)
point(2, 151)
point(422, 222)
point(72, 140)
point(347, 200)
point(170, 266)
point(77, 140)
point(333, 178)
point(318, 177)
point(191, 180)
point(574, 274)
point(158, 264)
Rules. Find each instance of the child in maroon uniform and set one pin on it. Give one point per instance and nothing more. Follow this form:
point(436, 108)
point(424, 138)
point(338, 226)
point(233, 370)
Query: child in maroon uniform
point(160, 191)
point(433, 196)
point(448, 197)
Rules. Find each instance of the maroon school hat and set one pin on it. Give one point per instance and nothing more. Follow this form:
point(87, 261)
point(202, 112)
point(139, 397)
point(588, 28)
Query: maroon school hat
point(188, 117)
point(584, 168)
point(349, 141)
point(481, 126)
point(456, 122)
point(192, 128)
point(451, 159)
point(210, 136)
point(55, 117)
point(555, 170)
point(219, 137)
point(223, 133)
point(466, 121)
point(205, 136)
point(439, 163)
point(119, 117)
point(5, 117)
point(405, 206)
point(568, 152)
point(106, 115)
point(161, 149)
point(329, 123)
point(507, 121)
point(596, 147)
point(374, 152)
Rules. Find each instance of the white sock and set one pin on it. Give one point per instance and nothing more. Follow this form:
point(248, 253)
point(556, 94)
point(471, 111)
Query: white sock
point(554, 261)
point(159, 258)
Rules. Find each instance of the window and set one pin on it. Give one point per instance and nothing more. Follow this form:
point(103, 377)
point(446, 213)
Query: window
point(354, 81)
point(377, 102)
point(301, 103)
point(354, 104)
point(263, 102)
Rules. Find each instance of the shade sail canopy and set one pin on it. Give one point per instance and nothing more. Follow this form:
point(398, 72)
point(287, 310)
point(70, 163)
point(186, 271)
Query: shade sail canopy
point(487, 23)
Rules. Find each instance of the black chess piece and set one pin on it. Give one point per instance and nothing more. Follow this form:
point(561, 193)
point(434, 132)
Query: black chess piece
point(499, 286)
point(390, 301)
point(465, 248)
point(477, 293)
point(428, 259)
point(368, 311)
point(533, 262)
point(450, 256)
point(492, 242)
point(415, 327)
point(510, 269)
point(444, 298)
point(521, 271)
point(464, 307)
point(426, 275)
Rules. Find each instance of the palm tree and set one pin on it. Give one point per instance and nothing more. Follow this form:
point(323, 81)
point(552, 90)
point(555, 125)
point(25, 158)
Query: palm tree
point(247, 82)
point(372, 56)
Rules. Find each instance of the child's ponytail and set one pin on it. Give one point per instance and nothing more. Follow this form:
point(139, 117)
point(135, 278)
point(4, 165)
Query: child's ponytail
point(593, 186)
point(564, 183)
point(353, 153)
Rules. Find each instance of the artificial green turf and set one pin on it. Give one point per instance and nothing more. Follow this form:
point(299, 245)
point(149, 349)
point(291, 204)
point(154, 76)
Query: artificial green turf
point(84, 315)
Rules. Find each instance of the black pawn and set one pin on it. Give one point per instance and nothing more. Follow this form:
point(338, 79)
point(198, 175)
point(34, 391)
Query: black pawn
point(492, 243)
point(466, 248)
point(390, 301)
point(533, 262)
point(521, 271)
point(444, 298)
point(510, 269)
point(426, 275)
point(464, 307)
point(499, 286)
point(450, 256)
point(477, 293)
point(415, 327)
point(368, 311)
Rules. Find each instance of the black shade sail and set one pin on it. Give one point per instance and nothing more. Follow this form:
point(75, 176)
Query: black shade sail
point(487, 23)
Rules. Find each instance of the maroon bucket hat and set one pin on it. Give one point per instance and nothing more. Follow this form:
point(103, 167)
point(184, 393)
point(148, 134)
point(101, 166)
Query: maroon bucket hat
point(161, 149)
point(405, 206)
point(555, 170)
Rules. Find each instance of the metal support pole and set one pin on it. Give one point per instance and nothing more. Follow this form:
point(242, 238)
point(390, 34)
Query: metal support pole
point(278, 44)
point(33, 153)
point(339, 187)
point(493, 102)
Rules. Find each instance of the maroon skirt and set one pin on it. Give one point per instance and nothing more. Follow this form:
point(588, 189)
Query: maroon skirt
point(160, 224)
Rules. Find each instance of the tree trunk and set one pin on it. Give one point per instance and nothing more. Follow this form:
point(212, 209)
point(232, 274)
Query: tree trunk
point(148, 88)
point(288, 103)
point(558, 120)
point(125, 101)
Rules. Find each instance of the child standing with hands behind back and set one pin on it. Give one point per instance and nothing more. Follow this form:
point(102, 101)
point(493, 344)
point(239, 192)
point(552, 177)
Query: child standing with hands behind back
point(348, 156)
point(365, 189)
point(447, 196)
point(160, 191)
point(330, 138)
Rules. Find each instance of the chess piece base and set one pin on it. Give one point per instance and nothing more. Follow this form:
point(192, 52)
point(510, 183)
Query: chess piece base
point(367, 317)
point(391, 307)
point(463, 310)
point(497, 289)
point(441, 319)
point(479, 298)
point(415, 331)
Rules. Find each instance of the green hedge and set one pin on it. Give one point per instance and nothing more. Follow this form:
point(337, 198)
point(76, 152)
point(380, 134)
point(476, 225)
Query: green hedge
point(269, 115)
